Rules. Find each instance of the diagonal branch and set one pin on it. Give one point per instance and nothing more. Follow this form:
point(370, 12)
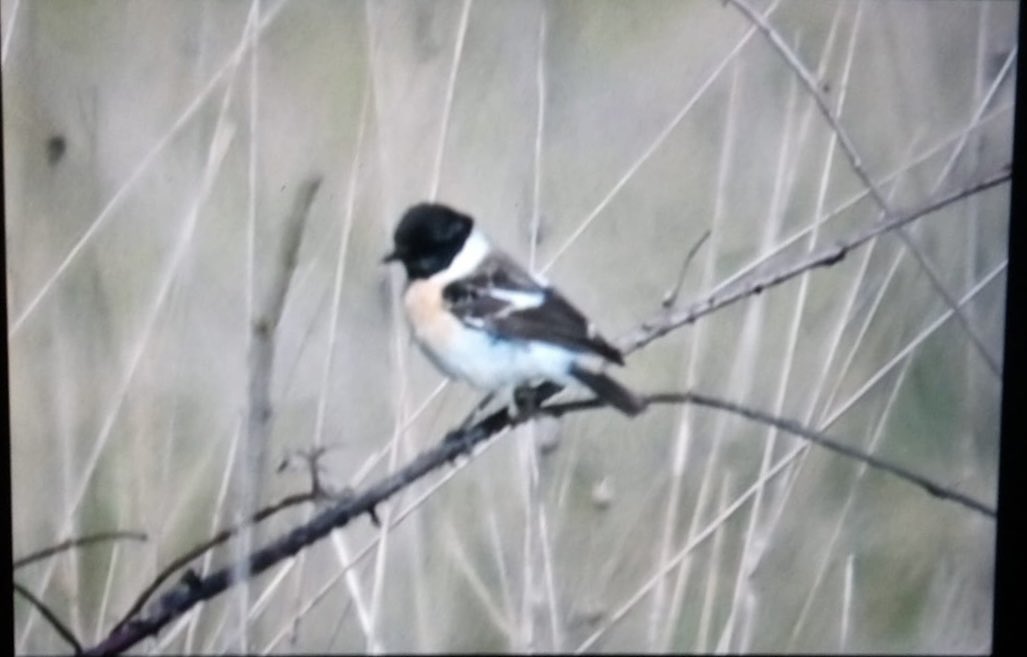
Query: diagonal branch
point(796, 429)
point(187, 594)
point(76, 542)
point(51, 617)
point(665, 323)
point(211, 543)
point(807, 79)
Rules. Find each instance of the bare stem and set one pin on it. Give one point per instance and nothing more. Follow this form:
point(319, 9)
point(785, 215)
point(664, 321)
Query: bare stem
point(77, 542)
point(209, 544)
point(61, 628)
point(814, 89)
point(663, 323)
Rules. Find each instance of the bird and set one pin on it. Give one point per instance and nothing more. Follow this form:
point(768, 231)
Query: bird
point(482, 318)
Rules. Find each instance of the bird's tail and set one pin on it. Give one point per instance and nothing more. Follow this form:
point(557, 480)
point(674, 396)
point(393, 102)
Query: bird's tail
point(610, 391)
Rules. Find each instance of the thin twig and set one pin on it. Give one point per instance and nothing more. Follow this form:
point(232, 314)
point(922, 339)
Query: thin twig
point(211, 543)
point(795, 428)
point(814, 89)
point(398, 518)
point(61, 628)
point(77, 542)
point(663, 323)
point(671, 297)
point(784, 244)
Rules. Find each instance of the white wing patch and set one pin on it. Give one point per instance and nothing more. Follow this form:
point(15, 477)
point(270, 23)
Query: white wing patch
point(517, 299)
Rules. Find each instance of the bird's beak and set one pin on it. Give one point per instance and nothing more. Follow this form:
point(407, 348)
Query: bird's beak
point(390, 257)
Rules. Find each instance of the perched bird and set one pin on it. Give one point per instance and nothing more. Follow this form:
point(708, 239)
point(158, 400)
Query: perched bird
point(482, 318)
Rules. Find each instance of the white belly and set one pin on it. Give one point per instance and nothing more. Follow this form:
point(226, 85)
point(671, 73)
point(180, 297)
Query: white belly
point(493, 364)
point(473, 355)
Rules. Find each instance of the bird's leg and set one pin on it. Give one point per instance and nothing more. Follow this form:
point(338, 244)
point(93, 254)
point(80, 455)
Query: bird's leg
point(473, 415)
point(523, 403)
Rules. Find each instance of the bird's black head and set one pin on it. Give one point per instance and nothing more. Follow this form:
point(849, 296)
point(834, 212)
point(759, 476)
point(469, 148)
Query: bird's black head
point(428, 237)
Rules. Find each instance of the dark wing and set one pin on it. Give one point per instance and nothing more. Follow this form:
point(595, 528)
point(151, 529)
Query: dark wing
point(506, 301)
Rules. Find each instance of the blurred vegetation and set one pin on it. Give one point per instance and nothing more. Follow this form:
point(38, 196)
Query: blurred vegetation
point(134, 251)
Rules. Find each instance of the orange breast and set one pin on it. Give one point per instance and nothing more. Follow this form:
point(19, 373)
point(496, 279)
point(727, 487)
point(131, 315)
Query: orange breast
point(433, 326)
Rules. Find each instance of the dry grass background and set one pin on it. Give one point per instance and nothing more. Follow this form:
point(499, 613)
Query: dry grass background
point(153, 150)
